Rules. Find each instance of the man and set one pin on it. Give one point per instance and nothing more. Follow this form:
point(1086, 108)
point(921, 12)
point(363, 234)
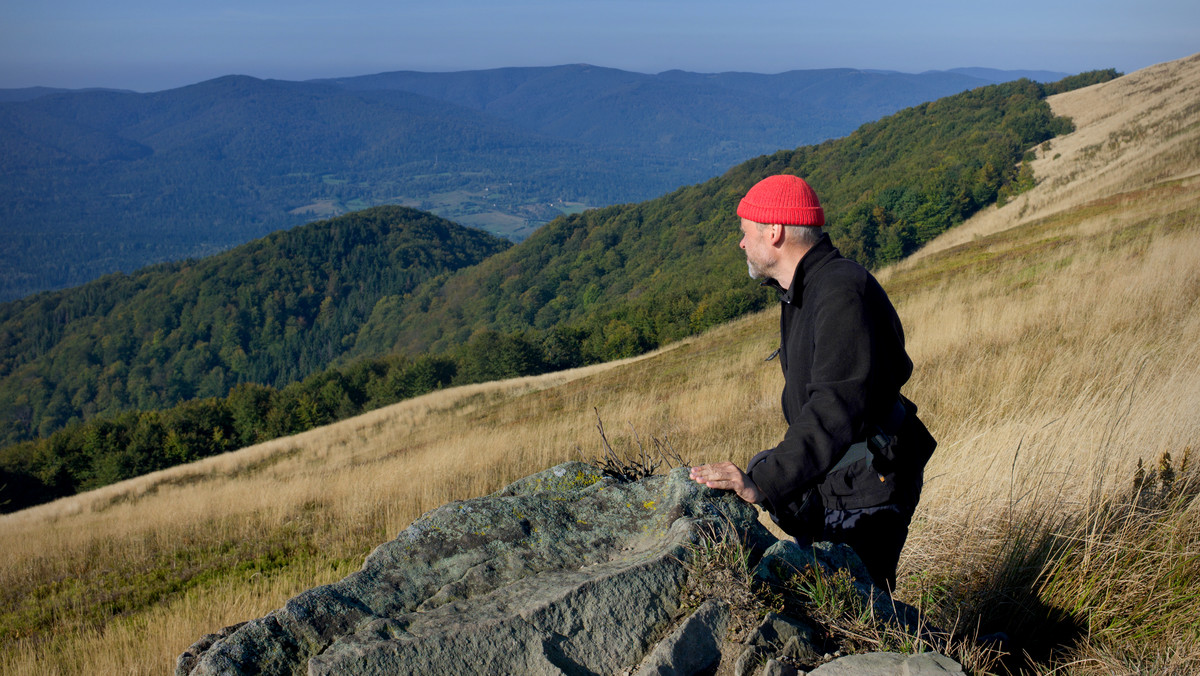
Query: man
point(849, 468)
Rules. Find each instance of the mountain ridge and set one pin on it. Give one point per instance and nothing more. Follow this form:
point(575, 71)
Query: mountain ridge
point(105, 180)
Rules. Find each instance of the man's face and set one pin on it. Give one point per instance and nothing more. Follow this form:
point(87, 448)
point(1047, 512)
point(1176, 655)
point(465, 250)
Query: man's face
point(759, 253)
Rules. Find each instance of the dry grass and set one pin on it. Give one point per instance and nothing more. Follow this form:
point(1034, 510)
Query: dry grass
point(1087, 343)
point(1132, 132)
point(1050, 358)
point(1108, 589)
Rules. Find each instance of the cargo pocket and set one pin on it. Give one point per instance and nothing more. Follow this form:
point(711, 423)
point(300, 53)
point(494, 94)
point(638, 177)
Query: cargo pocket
point(857, 485)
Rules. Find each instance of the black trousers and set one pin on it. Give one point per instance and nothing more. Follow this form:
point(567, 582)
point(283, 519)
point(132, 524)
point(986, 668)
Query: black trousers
point(877, 537)
point(876, 534)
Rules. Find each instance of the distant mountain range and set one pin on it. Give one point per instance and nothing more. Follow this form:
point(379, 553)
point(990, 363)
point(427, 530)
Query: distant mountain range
point(100, 180)
point(1008, 75)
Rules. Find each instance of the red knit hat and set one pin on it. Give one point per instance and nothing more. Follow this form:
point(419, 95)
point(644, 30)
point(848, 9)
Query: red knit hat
point(783, 200)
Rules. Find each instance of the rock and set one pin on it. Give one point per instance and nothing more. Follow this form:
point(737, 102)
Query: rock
point(560, 572)
point(783, 637)
point(889, 664)
point(750, 659)
point(187, 660)
point(777, 668)
point(694, 646)
point(776, 630)
point(800, 651)
point(785, 559)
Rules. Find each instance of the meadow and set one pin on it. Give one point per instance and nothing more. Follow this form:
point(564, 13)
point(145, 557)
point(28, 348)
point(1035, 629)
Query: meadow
point(1056, 342)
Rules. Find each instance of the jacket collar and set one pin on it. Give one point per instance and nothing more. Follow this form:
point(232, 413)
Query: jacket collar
point(814, 259)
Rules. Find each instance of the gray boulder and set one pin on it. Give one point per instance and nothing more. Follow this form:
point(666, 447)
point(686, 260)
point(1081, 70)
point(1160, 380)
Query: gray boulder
point(777, 668)
point(750, 660)
point(562, 572)
point(694, 646)
point(776, 630)
point(889, 664)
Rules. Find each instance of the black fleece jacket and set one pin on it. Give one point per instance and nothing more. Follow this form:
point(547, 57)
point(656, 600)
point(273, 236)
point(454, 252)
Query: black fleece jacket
point(844, 362)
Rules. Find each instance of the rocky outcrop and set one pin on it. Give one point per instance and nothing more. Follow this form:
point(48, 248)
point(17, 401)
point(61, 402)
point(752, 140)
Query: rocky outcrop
point(563, 572)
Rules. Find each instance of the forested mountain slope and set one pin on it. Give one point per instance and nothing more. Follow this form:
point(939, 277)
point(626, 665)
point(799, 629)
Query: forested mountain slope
point(272, 311)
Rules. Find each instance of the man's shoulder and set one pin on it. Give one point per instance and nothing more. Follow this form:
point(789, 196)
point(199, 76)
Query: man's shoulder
point(842, 271)
point(831, 277)
point(841, 283)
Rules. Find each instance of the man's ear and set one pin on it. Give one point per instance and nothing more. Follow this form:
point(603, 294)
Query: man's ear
point(776, 234)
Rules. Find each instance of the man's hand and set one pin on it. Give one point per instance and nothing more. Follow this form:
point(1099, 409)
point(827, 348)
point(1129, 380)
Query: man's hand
point(727, 476)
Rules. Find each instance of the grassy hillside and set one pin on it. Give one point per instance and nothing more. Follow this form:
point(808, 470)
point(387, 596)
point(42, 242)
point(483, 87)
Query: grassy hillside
point(1054, 350)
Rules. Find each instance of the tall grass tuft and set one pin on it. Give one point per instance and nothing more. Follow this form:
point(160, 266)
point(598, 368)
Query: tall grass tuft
point(1129, 572)
point(1110, 588)
point(852, 626)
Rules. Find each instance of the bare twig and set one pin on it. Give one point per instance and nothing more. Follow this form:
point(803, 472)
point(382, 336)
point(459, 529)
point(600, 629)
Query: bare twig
point(668, 453)
point(633, 466)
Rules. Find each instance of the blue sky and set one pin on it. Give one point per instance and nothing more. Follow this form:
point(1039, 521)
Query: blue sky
point(149, 45)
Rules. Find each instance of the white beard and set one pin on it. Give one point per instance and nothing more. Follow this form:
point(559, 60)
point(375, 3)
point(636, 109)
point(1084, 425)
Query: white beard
point(755, 271)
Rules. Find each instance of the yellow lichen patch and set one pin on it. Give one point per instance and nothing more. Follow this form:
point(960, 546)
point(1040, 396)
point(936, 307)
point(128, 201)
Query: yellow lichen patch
point(581, 480)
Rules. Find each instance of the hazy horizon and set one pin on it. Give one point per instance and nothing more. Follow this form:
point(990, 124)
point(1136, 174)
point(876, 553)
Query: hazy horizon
point(147, 46)
point(597, 65)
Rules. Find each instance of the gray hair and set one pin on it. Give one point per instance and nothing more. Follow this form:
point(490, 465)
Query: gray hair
point(804, 235)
